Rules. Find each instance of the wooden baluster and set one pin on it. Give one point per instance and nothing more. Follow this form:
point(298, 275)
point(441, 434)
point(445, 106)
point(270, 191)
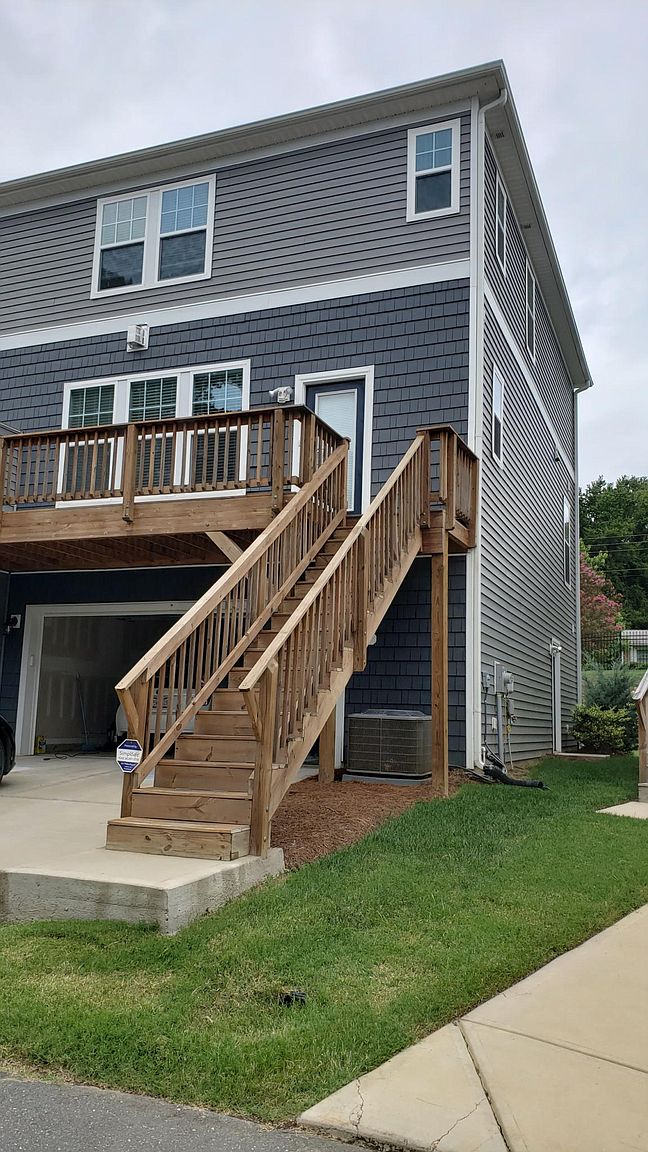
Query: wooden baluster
point(260, 820)
point(128, 473)
point(278, 459)
point(4, 470)
point(440, 668)
point(307, 447)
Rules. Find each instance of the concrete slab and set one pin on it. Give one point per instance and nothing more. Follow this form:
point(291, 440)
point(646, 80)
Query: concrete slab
point(552, 1099)
point(592, 999)
point(426, 1097)
point(635, 808)
point(53, 863)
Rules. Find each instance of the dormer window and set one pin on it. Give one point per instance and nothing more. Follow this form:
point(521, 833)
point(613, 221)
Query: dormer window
point(157, 235)
point(433, 170)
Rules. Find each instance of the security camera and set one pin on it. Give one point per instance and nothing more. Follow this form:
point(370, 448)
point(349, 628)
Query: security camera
point(281, 395)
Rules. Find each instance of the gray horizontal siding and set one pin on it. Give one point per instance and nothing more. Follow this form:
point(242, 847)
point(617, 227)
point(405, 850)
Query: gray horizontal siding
point(524, 599)
point(548, 371)
point(330, 211)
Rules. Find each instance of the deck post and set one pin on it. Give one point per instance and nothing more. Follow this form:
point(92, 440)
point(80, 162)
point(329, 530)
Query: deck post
point(128, 476)
point(326, 774)
point(440, 668)
point(260, 819)
point(278, 459)
point(3, 468)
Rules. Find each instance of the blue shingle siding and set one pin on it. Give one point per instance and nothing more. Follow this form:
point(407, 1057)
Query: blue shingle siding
point(312, 214)
point(548, 371)
point(398, 672)
point(525, 602)
point(417, 340)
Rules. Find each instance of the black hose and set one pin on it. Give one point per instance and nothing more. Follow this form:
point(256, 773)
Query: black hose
point(497, 772)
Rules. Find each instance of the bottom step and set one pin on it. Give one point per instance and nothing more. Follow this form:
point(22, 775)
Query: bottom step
point(178, 838)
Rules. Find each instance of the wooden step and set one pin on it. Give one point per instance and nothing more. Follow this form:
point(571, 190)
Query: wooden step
point(178, 838)
point(236, 676)
point(192, 804)
point(216, 749)
point(188, 774)
point(223, 723)
point(229, 700)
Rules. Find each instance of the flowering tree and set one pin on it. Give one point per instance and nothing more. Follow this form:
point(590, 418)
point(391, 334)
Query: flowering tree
point(601, 606)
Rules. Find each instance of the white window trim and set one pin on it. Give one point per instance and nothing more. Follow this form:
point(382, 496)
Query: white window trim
point(412, 214)
point(152, 238)
point(499, 188)
point(567, 539)
point(530, 273)
point(184, 376)
point(305, 380)
point(498, 459)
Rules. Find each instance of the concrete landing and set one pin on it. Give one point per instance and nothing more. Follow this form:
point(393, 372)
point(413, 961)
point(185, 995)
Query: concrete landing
point(558, 1063)
point(53, 863)
point(635, 808)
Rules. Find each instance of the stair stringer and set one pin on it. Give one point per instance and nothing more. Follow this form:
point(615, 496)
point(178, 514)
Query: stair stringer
point(284, 775)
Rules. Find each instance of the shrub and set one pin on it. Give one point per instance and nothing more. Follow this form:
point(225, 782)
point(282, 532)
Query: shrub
point(612, 689)
point(611, 730)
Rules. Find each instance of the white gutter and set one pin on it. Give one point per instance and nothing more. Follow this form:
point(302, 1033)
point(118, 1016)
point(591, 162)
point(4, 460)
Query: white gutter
point(475, 441)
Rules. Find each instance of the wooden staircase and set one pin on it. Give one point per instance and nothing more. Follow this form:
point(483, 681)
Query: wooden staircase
point(229, 703)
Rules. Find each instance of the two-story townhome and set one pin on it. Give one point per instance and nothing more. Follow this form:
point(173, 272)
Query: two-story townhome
point(170, 321)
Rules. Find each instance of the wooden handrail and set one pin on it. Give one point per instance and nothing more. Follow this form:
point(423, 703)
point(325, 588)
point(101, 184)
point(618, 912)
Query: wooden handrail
point(177, 677)
point(327, 632)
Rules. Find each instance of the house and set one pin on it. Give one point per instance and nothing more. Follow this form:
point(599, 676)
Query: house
point(383, 263)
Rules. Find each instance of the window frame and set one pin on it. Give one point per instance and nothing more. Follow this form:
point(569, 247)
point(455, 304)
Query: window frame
point(455, 171)
point(498, 459)
point(530, 310)
point(153, 237)
point(500, 190)
point(567, 541)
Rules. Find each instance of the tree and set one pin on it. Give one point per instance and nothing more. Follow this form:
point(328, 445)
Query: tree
point(601, 607)
point(614, 527)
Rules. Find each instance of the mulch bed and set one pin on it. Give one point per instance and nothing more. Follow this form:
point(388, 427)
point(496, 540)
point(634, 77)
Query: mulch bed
point(315, 819)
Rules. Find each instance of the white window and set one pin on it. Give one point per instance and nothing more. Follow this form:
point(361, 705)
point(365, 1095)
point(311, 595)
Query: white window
point(567, 540)
point(433, 170)
point(154, 236)
point(153, 399)
point(500, 223)
point(497, 441)
point(530, 312)
point(90, 406)
point(218, 391)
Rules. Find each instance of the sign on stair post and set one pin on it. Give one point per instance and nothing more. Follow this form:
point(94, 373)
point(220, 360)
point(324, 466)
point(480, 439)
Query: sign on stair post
point(129, 755)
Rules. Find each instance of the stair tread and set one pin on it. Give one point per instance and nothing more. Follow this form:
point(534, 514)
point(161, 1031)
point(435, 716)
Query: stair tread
point(178, 825)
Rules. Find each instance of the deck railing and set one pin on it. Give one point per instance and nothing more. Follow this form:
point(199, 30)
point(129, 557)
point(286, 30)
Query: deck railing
point(453, 478)
point(179, 675)
point(262, 449)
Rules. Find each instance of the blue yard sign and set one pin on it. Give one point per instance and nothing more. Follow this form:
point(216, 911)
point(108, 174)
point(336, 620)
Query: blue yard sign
point(129, 755)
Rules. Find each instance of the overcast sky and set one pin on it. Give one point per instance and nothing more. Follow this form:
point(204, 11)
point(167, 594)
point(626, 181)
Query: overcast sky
point(80, 79)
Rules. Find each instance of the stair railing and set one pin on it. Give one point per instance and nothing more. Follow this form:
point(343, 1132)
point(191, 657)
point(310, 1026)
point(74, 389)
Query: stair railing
point(293, 687)
point(167, 687)
point(640, 696)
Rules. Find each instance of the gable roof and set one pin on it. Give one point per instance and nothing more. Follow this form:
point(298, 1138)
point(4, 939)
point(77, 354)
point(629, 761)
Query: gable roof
point(315, 125)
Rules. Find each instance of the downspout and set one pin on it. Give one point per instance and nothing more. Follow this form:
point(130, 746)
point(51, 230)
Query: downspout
point(579, 671)
point(476, 430)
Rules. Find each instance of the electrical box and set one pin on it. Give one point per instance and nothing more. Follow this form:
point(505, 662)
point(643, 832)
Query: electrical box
point(504, 681)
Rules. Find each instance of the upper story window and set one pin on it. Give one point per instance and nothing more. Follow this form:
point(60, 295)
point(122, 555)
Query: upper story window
point(497, 441)
point(160, 235)
point(90, 406)
point(567, 540)
point(500, 223)
point(530, 312)
point(433, 170)
point(220, 391)
point(153, 399)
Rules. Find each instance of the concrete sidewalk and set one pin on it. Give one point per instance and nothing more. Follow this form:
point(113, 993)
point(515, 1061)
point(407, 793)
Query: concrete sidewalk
point(558, 1063)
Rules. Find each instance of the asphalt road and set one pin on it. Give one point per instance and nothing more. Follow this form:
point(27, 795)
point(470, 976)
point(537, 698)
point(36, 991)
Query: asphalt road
point(38, 1116)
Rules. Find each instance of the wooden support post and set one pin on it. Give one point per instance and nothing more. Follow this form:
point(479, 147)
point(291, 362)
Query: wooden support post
point(260, 820)
point(278, 459)
point(362, 603)
point(137, 717)
point(451, 482)
point(228, 547)
point(425, 479)
point(307, 448)
point(440, 669)
point(327, 751)
point(128, 474)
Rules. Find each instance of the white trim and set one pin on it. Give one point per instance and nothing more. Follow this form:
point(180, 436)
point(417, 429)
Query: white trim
point(151, 240)
point(304, 380)
point(524, 369)
point(215, 307)
point(455, 170)
point(555, 649)
point(530, 310)
point(577, 579)
point(567, 535)
point(475, 357)
point(500, 188)
point(500, 416)
point(32, 651)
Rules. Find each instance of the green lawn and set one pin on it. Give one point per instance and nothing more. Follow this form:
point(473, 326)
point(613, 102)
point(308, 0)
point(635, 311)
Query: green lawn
point(439, 909)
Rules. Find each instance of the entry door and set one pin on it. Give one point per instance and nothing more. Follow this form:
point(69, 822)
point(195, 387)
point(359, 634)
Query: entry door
point(341, 405)
point(555, 649)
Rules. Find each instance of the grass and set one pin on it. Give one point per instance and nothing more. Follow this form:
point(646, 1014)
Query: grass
point(437, 910)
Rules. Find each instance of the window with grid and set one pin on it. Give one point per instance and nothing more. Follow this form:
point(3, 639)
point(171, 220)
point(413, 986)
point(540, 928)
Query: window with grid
point(153, 399)
point(87, 467)
point(92, 405)
point(433, 170)
point(123, 229)
point(216, 453)
point(183, 231)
